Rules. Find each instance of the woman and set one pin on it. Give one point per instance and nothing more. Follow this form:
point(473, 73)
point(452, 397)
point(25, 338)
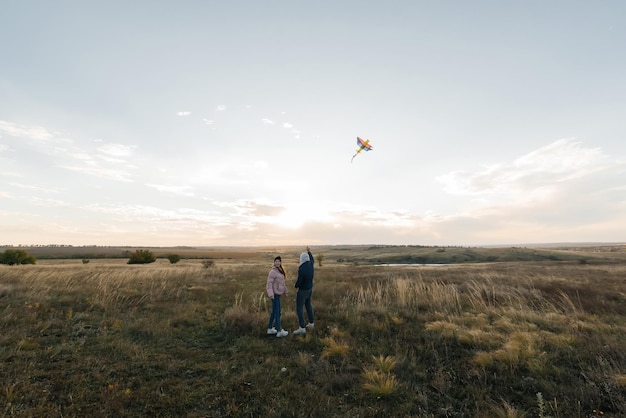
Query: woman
point(275, 289)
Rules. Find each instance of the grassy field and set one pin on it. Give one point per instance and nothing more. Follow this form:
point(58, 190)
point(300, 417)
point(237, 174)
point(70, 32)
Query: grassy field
point(354, 254)
point(505, 339)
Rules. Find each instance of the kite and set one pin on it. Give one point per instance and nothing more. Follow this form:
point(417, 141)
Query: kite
point(363, 145)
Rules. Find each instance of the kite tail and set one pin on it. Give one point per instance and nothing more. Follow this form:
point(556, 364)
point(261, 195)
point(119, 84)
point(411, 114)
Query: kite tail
point(353, 157)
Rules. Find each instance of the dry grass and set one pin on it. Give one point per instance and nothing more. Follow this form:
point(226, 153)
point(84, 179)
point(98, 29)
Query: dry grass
point(406, 293)
point(181, 340)
point(334, 349)
point(378, 383)
point(378, 378)
point(384, 364)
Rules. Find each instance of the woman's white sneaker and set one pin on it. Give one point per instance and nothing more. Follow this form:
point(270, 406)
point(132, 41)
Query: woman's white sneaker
point(282, 333)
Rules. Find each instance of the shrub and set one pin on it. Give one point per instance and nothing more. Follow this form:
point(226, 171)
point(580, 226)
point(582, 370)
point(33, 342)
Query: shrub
point(142, 257)
point(13, 257)
point(208, 263)
point(174, 258)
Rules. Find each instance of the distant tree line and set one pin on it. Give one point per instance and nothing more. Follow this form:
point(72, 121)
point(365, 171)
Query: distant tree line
point(14, 257)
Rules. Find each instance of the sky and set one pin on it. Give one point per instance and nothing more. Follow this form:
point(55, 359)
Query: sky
point(233, 123)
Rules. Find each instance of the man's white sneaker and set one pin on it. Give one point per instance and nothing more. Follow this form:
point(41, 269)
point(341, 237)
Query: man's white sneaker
point(282, 333)
point(299, 331)
point(310, 325)
point(271, 331)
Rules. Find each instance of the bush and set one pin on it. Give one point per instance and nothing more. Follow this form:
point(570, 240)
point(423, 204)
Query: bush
point(174, 258)
point(142, 257)
point(12, 257)
point(208, 263)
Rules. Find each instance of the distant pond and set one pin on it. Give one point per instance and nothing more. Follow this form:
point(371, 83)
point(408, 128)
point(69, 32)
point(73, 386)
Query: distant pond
point(413, 265)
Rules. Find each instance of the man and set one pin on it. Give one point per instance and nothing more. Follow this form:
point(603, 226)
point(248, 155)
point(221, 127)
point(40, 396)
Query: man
point(304, 284)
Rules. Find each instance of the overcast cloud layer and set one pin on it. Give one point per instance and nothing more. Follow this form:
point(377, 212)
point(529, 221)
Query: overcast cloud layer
point(206, 123)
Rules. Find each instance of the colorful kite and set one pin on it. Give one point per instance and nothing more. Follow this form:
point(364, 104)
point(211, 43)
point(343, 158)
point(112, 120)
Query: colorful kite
point(363, 145)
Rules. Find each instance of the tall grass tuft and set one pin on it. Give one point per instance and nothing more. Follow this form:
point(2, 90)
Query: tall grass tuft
point(378, 383)
point(507, 410)
point(378, 379)
point(406, 294)
point(334, 349)
point(240, 316)
point(385, 364)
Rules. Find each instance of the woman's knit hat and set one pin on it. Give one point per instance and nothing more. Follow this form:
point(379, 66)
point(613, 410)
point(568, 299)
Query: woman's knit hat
point(304, 257)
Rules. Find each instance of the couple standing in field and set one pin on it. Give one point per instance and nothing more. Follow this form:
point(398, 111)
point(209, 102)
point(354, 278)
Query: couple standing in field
point(277, 287)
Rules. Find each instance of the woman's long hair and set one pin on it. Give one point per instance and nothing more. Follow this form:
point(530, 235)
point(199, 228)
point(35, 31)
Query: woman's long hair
point(282, 270)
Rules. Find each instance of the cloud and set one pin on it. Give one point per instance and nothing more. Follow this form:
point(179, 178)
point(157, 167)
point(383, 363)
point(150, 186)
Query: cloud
point(557, 192)
point(179, 190)
point(183, 113)
point(152, 216)
point(34, 132)
point(117, 150)
point(112, 160)
point(565, 159)
point(285, 125)
point(3, 147)
point(221, 108)
point(208, 121)
point(371, 217)
point(63, 153)
point(252, 208)
point(532, 175)
point(130, 211)
point(34, 188)
point(37, 201)
point(82, 156)
point(103, 165)
point(105, 173)
point(247, 209)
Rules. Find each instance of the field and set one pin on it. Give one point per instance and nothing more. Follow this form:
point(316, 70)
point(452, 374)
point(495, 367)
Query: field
point(507, 332)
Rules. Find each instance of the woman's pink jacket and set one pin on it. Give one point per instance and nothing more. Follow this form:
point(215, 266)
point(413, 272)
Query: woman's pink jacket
point(275, 283)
